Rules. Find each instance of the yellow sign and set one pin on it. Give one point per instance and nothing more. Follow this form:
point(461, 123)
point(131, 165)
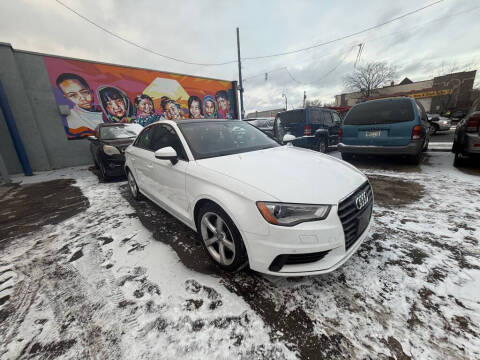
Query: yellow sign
point(430, 94)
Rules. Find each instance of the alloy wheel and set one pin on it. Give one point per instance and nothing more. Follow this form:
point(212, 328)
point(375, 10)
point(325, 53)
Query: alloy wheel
point(217, 238)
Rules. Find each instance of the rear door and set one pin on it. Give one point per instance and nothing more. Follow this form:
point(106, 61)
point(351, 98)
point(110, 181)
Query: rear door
point(141, 157)
point(379, 123)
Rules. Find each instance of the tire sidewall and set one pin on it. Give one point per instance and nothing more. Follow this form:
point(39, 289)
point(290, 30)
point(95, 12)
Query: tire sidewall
point(319, 145)
point(241, 258)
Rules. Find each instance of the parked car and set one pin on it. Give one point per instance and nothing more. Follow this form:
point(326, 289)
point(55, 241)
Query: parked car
point(240, 194)
point(394, 126)
point(439, 123)
point(108, 147)
point(314, 128)
point(264, 124)
point(466, 141)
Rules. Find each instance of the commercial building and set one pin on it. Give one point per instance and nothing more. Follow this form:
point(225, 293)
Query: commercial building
point(264, 114)
point(442, 93)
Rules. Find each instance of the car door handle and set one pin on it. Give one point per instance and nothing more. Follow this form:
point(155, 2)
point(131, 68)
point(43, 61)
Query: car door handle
point(150, 166)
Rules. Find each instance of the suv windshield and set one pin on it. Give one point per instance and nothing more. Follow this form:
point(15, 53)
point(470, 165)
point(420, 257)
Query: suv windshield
point(380, 112)
point(119, 132)
point(219, 138)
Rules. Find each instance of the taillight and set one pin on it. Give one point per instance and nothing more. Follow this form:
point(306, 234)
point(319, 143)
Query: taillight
point(473, 124)
point(340, 133)
point(307, 130)
point(416, 132)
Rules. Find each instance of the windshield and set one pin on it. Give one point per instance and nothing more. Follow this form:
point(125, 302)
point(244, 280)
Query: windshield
point(380, 112)
point(219, 138)
point(119, 132)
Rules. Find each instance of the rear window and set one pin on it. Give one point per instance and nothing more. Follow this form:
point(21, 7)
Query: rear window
point(292, 117)
point(380, 112)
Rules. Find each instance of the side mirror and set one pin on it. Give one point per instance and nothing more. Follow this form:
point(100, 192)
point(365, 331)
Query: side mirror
point(288, 138)
point(167, 153)
point(92, 138)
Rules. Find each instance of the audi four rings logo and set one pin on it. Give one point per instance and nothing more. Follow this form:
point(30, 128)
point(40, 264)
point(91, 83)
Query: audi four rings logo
point(361, 200)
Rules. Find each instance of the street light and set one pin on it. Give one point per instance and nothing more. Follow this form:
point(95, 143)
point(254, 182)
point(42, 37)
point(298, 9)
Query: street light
point(285, 96)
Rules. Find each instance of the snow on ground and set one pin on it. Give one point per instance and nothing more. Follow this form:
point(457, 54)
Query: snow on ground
point(126, 280)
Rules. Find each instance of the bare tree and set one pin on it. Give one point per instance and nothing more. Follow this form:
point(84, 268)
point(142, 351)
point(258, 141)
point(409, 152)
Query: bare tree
point(366, 79)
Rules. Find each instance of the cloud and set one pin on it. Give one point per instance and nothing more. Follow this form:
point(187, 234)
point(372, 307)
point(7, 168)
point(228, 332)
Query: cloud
point(205, 32)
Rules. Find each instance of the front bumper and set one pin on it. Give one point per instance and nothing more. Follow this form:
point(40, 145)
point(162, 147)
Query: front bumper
point(304, 238)
point(413, 148)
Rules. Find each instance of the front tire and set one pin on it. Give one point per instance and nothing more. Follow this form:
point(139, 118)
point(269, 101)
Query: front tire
point(221, 239)
point(103, 172)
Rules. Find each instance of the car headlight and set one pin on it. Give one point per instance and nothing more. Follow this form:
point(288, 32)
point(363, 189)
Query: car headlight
point(110, 150)
point(284, 214)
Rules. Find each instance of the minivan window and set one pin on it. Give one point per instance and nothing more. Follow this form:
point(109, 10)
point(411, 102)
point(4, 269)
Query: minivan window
point(380, 112)
point(328, 118)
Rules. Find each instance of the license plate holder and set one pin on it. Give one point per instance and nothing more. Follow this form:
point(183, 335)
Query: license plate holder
point(375, 133)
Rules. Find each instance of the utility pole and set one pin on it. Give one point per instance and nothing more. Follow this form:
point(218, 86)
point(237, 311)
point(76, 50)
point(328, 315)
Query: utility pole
point(285, 96)
point(304, 98)
point(242, 110)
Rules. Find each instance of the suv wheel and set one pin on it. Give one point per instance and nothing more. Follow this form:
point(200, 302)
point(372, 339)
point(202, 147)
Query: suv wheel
point(221, 238)
point(347, 157)
point(322, 145)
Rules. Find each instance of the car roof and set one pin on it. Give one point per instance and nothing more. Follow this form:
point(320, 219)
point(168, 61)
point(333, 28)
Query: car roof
point(112, 124)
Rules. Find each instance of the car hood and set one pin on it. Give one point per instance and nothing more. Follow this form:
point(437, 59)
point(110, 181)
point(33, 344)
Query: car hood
point(291, 174)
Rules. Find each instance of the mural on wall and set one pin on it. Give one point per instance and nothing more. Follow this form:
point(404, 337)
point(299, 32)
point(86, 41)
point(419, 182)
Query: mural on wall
point(98, 93)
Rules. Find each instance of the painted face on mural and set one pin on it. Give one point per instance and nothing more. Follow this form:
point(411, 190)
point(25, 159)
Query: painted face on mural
point(209, 108)
point(116, 107)
point(145, 107)
point(173, 111)
point(77, 93)
point(223, 104)
point(195, 110)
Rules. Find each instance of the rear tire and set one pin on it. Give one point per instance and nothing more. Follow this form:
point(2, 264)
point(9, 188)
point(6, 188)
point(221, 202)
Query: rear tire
point(347, 157)
point(415, 159)
point(435, 129)
point(221, 239)
point(133, 187)
point(322, 145)
point(458, 160)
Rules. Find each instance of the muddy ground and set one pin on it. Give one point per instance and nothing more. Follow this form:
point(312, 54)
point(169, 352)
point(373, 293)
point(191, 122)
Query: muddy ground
point(83, 281)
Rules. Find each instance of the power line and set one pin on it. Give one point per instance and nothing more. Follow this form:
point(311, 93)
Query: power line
point(344, 37)
point(141, 46)
point(246, 58)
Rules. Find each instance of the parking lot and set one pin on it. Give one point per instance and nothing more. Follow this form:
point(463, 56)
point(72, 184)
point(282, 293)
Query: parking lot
point(86, 272)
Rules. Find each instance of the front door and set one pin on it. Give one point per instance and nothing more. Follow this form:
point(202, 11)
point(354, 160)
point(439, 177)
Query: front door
point(168, 179)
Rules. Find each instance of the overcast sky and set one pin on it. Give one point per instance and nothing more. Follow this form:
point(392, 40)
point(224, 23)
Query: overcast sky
point(204, 32)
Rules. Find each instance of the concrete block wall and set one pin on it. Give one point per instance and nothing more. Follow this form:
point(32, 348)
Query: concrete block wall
point(33, 105)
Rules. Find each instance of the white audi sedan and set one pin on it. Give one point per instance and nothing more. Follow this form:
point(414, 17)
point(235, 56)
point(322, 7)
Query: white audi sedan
point(281, 210)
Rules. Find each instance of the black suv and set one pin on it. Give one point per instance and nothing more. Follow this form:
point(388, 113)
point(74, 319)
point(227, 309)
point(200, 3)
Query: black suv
point(314, 128)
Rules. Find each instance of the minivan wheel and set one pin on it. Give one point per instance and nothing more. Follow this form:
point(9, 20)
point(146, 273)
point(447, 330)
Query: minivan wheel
point(415, 159)
point(221, 238)
point(322, 146)
point(458, 160)
point(132, 185)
